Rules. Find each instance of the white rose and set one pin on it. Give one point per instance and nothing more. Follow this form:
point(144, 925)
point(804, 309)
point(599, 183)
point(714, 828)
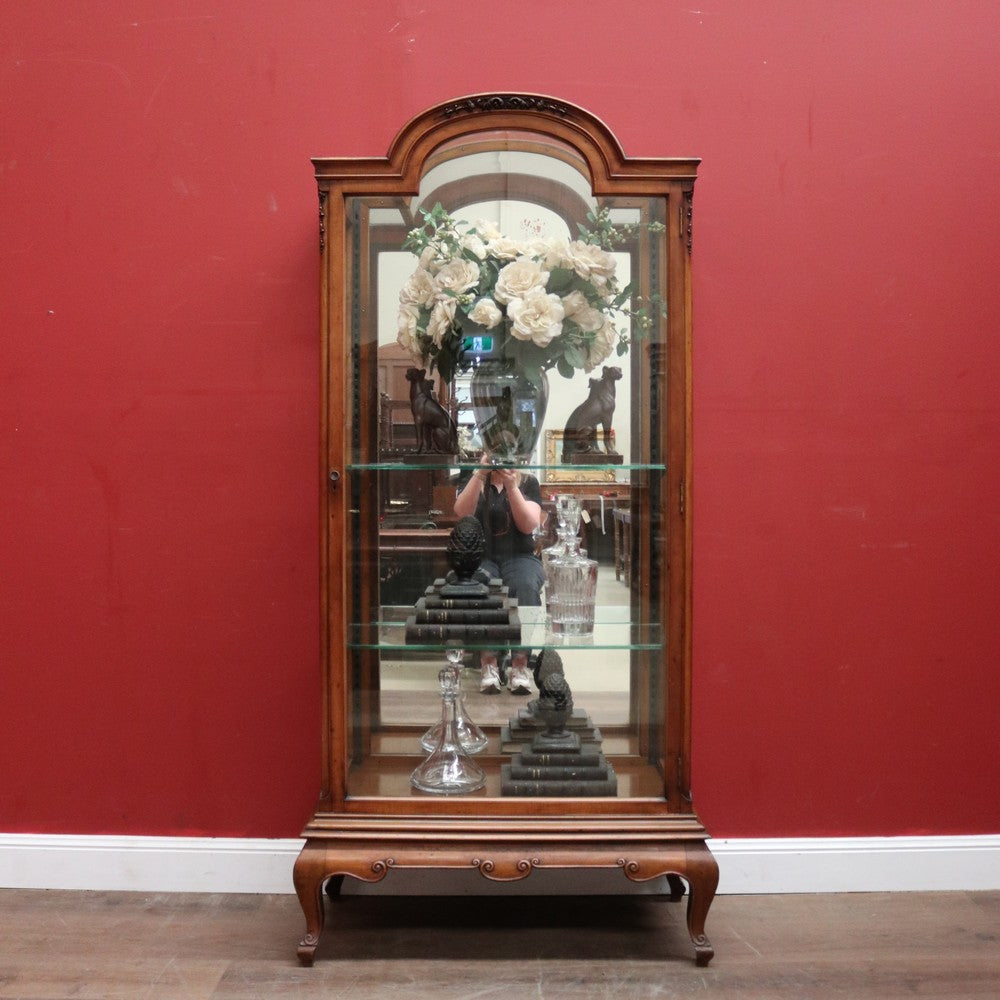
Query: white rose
point(442, 319)
point(518, 278)
point(472, 243)
point(418, 289)
point(582, 312)
point(486, 313)
point(428, 259)
point(549, 253)
point(590, 262)
point(537, 317)
point(601, 346)
point(406, 336)
point(456, 276)
point(488, 230)
point(504, 248)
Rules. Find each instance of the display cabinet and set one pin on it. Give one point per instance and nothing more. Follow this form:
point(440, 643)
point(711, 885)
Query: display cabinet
point(506, 294)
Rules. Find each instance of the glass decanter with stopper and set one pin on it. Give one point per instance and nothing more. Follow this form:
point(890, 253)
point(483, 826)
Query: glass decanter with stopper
point(568, 510)
point(448, 769)
point(470, 736)
point(572, 577)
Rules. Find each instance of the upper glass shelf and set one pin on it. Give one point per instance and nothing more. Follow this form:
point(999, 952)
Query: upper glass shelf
point(444, 462)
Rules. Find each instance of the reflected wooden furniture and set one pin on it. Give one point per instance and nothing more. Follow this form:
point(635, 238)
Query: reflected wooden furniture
point(410, 558)
point(621, 519)
point(598, 501)
point(369, 821)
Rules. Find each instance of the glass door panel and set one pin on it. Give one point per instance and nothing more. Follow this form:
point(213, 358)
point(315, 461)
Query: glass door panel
point(415, 439)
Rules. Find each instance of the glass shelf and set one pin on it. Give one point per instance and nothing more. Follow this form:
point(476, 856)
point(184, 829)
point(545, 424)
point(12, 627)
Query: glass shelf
point(612, 630)
point(399, 465)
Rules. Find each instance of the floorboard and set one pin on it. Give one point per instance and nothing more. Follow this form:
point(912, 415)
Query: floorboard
point(878, 946)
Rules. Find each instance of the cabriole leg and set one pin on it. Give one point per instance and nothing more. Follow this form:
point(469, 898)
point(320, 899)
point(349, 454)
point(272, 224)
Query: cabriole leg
point(703, 880)
point(308, 876)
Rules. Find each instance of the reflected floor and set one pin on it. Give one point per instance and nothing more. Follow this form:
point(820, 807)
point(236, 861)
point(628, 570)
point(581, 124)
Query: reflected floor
point(599, 680)
point(403, 704)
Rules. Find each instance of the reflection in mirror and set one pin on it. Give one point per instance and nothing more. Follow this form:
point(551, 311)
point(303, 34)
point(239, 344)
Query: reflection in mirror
point(527, 191)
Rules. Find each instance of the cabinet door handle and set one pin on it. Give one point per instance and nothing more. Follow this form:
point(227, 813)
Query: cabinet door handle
point(334, 477)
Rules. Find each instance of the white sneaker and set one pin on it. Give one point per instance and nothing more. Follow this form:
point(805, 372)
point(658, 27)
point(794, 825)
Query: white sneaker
point(519, 678)
point(489, 682)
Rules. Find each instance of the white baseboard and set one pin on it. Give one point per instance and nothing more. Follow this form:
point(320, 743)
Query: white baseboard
point(858, 864)
point(208, 864)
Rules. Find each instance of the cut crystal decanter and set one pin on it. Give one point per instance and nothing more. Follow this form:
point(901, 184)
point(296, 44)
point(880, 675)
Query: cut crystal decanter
point(568, 510)
point(572, 580)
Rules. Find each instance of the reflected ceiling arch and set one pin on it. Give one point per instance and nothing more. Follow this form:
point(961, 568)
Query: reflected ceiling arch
point(542, 191)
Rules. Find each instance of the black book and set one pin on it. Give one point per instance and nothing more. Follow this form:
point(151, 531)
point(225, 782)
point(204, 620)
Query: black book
point(462, 616)
point(557, 772)
point(436, 601)
point(532, 758)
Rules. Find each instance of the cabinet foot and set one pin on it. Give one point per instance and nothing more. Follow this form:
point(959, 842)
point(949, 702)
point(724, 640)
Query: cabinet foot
point(703, 880)
point(308, 876)
point(703, 952)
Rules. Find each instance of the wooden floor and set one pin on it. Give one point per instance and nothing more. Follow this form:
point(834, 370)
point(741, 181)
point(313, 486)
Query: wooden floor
point(56, 944)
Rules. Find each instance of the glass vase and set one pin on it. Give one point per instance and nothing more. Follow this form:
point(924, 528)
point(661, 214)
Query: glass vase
point(508, 402)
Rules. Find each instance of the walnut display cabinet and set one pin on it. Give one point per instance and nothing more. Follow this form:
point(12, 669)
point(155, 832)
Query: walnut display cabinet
point(518, 177)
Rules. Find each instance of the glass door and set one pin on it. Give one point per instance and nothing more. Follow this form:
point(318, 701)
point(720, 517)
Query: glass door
point(506, 325)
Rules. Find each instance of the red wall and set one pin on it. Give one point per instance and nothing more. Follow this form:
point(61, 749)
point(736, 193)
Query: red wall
point(158, 357)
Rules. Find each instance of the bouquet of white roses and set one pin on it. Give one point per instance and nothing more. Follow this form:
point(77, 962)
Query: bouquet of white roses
point(558, 299)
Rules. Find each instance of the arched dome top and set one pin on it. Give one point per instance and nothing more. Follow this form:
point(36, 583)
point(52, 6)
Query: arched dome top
point(572, 132)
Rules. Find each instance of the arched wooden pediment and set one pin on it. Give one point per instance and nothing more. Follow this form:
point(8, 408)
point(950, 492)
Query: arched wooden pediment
point(553, 121)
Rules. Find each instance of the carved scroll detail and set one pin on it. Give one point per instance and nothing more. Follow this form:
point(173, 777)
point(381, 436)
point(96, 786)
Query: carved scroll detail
point(688, 216)
point(631, 868)
point(505, 872)
point(322, 220)
point(504, 102)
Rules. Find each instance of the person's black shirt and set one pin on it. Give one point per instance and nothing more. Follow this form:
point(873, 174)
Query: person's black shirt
point(503, 537)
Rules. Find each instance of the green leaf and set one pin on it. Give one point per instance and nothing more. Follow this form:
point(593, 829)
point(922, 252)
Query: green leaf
point(565, 368)
point(446, 365)
point(560, 279)
point(624, 295)
point(575, 356)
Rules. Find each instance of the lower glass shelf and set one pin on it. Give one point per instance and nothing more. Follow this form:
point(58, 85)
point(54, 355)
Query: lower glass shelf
point(389, 777)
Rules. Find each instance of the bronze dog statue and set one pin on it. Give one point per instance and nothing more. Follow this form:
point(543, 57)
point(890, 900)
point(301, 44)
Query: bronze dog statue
point(437, 433)
point(597, 410)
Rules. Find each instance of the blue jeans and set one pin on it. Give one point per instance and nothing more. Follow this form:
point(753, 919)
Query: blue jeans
point(522, 575)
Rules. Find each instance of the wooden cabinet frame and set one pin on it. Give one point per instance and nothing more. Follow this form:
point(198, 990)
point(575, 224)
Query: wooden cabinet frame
point(366, 837)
